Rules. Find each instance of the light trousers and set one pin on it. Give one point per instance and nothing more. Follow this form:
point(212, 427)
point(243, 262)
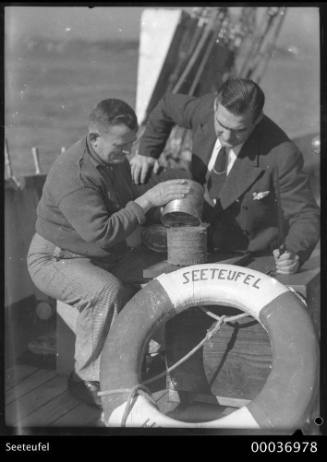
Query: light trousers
point(88, 286)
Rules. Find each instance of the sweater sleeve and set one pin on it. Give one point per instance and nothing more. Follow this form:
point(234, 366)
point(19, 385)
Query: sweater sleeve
point(298, 205)
point(87, 213)
point(173, 109)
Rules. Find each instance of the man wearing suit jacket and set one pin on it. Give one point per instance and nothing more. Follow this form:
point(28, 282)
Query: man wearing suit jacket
point(263, 202)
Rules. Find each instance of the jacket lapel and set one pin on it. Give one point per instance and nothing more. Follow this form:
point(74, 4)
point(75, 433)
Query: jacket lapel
point(205, 139)
point(241, 177)
point(244, 173)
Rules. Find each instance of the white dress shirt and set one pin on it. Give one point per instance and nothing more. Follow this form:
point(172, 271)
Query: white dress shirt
point(232, 154)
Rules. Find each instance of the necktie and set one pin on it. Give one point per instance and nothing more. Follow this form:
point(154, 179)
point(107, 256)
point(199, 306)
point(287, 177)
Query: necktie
point(218, 174)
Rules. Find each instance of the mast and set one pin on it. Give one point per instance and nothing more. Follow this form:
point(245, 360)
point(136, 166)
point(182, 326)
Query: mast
point(209, 46)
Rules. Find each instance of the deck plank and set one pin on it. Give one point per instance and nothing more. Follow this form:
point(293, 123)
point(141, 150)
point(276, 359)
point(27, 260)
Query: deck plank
point(51, 411)
point(15, 374)
point(40, 398)
point(17, 410)
point(80, 416)
point(28, 384)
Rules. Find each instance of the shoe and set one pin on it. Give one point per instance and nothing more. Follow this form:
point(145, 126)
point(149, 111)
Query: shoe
point(86, 391)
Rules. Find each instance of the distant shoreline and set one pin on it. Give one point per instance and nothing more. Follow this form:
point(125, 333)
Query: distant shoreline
point(42, 44)
point(38, 44)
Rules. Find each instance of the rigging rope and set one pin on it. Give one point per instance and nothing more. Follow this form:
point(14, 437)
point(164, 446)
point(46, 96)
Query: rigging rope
point(220, 320)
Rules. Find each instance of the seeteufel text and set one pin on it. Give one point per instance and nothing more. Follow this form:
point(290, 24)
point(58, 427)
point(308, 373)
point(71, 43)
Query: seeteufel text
point(27, 447)
point(206, 274)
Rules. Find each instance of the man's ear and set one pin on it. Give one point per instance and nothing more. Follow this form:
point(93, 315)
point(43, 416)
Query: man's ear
point(259, 118)
point(215, 104)
point(93, 137)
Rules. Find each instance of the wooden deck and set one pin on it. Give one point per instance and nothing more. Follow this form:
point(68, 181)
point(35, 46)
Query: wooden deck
point(39, 398)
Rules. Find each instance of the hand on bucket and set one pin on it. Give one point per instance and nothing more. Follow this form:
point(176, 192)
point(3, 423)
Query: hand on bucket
point(164, 192)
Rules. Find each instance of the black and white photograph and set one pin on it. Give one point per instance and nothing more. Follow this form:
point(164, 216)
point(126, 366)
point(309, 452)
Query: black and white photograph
point(162, 220)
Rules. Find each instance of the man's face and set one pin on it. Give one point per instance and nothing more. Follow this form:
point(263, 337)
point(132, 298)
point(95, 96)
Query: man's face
point(114, 145)
point(232, 129)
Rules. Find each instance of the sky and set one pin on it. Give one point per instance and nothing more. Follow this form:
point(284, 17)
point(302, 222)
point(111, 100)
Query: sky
point(301, 26)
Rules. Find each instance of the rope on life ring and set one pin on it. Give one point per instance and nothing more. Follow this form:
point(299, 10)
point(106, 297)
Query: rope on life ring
point(286, 398)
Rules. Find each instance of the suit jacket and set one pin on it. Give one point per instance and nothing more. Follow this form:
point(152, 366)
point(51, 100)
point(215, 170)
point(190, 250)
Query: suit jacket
point(268, 162)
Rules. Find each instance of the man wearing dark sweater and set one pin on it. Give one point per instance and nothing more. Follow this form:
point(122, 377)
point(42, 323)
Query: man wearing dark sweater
point(89, 206)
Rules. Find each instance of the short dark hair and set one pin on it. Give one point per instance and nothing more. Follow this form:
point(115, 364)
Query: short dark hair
point(240, 96)
point(113, 112)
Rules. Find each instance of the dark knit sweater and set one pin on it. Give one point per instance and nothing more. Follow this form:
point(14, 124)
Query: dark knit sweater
point(87, 206)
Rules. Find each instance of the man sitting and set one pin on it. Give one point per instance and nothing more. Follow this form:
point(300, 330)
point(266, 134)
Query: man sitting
point(89, 206)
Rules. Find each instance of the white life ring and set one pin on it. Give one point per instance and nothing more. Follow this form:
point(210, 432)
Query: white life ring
point(286, 397)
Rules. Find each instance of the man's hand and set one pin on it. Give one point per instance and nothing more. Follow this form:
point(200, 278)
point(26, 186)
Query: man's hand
point(287, 262)
point(164, 192)
point(141, 165)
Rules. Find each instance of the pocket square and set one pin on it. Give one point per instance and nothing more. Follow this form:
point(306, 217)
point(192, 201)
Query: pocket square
point(257, 196)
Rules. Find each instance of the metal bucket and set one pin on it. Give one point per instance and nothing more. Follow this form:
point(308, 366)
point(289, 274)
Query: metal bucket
point(187, 245)
point(186, 211)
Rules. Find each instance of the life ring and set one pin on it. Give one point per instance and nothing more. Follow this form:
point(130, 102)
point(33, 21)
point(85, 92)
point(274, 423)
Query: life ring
point(285, 399)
